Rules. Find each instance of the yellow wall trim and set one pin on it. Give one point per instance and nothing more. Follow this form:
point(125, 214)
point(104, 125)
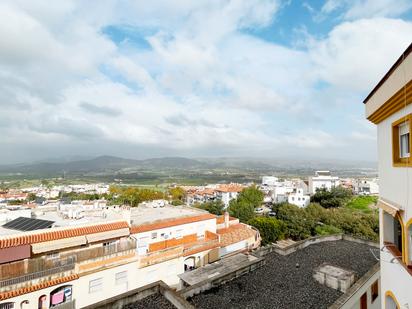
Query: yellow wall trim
point(391, 295)
point(408, 259)
point(394, 104)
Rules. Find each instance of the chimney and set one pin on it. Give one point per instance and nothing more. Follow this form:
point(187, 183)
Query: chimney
point(226, 219)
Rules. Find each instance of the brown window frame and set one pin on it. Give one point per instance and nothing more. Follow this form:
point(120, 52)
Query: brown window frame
point(375, 290)
point(397, 160)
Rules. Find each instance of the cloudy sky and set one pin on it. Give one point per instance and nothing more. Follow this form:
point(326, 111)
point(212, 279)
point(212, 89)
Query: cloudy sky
point(194, 78)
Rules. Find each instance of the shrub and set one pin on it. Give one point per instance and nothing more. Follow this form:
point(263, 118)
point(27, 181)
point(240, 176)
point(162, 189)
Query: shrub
point(327, 230)
point(299, 225)
point(270, 229)
point(215, 207)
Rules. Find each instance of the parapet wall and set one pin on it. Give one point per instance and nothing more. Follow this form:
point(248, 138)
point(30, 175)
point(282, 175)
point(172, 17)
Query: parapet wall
point(158, 287)
point(262, 251)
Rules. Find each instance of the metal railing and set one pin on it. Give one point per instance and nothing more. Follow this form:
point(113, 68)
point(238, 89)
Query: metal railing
point(66, 305)
point(39, 274)
point(98, 252)
point(205, 243)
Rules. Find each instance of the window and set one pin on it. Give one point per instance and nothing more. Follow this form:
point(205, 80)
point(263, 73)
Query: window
point(404, 140)
point(179, 233)
point(364, 301)
point(154, 235)
point(95, 285)
point(121, 278)
point(375, 290)
point(109, 243)
point(409, 235)
point(53, 255)
point(392, 234)
point(401, 141)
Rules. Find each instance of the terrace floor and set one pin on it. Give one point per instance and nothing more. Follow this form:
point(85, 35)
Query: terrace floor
point(155, 301)
point(287, 281)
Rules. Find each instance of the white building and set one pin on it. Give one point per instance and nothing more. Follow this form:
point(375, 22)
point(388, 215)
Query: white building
point(88, 260)
point(322, 180)
point(366, 186)
point(389, 107)
point(269, 181)
point(298, 198)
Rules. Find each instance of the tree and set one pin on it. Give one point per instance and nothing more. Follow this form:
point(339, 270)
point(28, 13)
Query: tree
point(242, 210)
point(31, 197)
point(244, 206)
point(336, 197)
point(299, 225)
point(214, 207)
point(270, 229)
point(177, 193)
point(251, 195)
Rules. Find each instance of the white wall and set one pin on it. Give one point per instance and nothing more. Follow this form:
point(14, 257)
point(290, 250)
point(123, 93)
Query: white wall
point(186, 229)
point(167, 271)
point(395, 183)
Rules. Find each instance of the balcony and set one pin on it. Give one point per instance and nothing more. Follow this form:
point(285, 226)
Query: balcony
point(94, 258)
point(160, 256)
point(34, 271)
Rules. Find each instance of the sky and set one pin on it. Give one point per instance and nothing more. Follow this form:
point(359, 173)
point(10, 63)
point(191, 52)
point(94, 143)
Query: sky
point(141, 79)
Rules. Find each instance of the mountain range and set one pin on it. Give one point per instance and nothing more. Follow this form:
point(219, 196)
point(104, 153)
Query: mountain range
point(111, 165)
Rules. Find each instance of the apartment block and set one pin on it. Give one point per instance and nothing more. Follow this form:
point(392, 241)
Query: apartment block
point(73, 263)
point(389, 107)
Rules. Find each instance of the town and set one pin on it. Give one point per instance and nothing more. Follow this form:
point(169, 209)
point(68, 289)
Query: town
point(96, 242)
point(195, 154)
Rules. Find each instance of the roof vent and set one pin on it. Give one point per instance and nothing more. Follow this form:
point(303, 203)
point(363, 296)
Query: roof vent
point(334, 277)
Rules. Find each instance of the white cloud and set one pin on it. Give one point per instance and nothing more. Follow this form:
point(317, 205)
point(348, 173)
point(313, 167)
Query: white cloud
point(355, 9)
point(203, 86)
point(355, 55)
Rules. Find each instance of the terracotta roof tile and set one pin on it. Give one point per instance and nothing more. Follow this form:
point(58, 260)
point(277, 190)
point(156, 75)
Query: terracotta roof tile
point(35, 287)
point(234, 234)
point(221, 219)
point(27, 238)
point(170, 222)
point(233, 187)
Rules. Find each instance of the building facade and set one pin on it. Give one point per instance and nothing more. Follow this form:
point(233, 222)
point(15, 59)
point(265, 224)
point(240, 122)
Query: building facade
point(389, 107)
point(81, 264)
point(322, 180)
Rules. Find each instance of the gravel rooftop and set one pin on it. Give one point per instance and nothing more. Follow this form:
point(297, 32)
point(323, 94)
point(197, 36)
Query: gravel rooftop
point(155, 301)
point(280, 284)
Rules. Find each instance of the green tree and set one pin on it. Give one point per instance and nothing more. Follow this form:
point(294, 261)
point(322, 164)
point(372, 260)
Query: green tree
point(31, 197)
point(243, 207)
point(214, 207)
point(299, 224)
point(270, 229)
point(177, 193)
point(336, 197)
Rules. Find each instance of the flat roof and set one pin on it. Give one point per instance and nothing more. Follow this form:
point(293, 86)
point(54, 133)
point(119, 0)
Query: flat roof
point(219, 268)
point(398, 62)
point(147, 214)
point(280, 284)
point(154, 301)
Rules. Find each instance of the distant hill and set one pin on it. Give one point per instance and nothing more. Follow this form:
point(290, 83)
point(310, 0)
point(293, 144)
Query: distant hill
point(116, 166)
point(107, 164)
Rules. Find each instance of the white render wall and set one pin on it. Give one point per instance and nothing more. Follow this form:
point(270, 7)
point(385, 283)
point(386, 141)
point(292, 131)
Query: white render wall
point(186, 229)
point(395, 183)
point(167, 271)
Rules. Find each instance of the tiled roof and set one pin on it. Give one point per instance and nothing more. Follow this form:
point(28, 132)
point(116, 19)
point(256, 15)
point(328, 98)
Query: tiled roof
point(234, 234)
point(36, 287)
point(58, 233)
point(233, 187)
point(221, 219)
point(169, 222)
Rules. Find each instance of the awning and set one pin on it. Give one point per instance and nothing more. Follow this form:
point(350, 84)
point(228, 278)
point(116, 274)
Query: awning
point(57, 244)
point(388, 207)
point(107, 235)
